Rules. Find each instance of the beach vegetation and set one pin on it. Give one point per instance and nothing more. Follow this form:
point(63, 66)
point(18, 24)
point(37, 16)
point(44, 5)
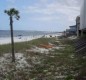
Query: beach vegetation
point(58, 64)
point(22, 46)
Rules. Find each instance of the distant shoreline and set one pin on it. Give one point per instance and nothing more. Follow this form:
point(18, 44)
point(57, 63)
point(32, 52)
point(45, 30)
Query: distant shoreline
point(7, 40)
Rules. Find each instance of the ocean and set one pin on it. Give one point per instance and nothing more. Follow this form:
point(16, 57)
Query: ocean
point(22, 36)
point(6, 33)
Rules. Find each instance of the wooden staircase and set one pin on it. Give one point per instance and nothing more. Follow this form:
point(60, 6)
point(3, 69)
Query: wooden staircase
point(80, 46)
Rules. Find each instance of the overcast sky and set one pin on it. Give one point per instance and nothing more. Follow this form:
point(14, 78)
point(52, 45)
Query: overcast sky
point(41, 15)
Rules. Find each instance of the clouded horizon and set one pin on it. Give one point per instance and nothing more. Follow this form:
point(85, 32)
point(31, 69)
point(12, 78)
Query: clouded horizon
point(41, 15)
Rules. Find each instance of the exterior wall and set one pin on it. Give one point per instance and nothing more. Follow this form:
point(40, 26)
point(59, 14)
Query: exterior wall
point(83, 15)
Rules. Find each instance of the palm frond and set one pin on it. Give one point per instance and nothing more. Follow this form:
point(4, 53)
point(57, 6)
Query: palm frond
point(13, 12)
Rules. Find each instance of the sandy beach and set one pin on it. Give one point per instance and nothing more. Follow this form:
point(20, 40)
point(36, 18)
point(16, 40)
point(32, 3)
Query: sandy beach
point(18, 39)
point(7, 40)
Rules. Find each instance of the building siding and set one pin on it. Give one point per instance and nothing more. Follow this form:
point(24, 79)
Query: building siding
point(83, 15)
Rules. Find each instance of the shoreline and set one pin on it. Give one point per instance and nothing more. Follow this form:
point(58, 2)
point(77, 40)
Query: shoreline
point(7, 40)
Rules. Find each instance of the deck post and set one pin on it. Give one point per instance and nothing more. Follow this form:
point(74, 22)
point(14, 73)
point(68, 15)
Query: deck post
point(82, 33)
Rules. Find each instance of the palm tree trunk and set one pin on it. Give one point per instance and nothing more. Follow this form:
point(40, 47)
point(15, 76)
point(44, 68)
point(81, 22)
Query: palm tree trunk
point(12, 40)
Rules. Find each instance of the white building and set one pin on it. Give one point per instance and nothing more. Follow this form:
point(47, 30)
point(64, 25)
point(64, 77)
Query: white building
point(83, 17)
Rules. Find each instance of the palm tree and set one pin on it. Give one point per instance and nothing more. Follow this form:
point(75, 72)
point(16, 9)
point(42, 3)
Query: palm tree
point(12, 13)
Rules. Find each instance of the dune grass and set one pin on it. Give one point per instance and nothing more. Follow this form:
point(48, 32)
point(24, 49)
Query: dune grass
point(22, 46)
point(58, 63)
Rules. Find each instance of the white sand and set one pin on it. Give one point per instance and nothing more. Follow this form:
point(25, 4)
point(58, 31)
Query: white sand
point(6, 59)
point(25, 38)
point(17, 39)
